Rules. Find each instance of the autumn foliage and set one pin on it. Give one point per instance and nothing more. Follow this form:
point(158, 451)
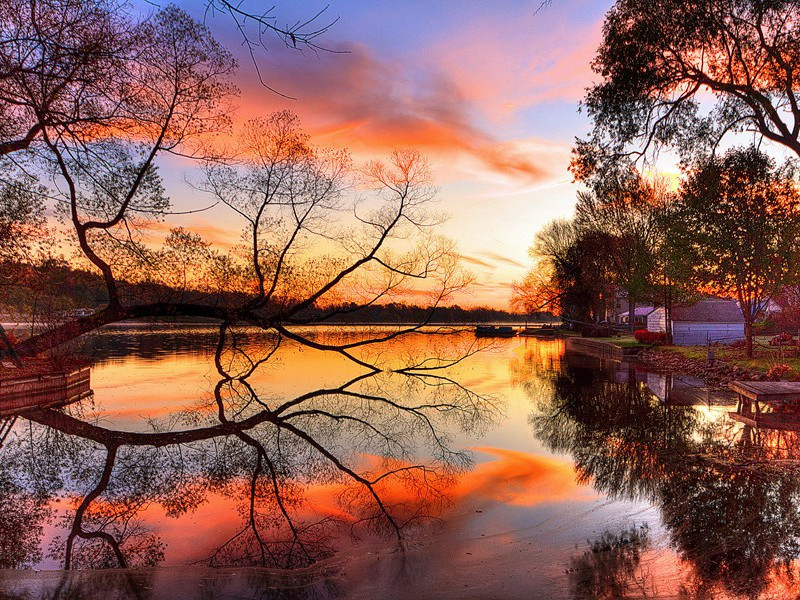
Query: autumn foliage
point(643, 336)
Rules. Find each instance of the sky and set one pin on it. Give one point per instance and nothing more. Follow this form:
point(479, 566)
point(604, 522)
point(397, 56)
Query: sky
point(487, 91)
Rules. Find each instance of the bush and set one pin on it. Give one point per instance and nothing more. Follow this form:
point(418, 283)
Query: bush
point(643, 336)
point(738, 343)
point(776, 372)
point(782, 339)
point(596, 331)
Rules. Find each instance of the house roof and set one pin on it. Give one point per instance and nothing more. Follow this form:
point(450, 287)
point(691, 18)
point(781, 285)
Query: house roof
point(639, 311)
point(714, 310)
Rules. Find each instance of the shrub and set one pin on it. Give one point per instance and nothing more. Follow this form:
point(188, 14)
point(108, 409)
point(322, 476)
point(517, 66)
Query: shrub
point(643, 336)
point(738, 343)
point(595, 331)
point(782, 339)
point(777, 371)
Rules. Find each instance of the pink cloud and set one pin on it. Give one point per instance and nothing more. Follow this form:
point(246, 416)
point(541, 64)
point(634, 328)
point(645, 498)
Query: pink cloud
point(371, 106)
point(517, 61)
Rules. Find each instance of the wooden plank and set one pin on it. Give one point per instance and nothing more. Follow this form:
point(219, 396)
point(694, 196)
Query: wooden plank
point(767, 391)
point(777, 422)
point(44, 391)
point(742, 419)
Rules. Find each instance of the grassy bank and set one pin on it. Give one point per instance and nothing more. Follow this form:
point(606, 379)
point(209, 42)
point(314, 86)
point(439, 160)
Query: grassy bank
point(764, 356)
point(625, 341)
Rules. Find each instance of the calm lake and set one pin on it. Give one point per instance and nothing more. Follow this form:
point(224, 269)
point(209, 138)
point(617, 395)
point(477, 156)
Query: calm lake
point(238, 468)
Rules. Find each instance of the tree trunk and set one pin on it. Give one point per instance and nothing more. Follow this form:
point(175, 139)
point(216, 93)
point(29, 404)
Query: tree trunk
point(748, 336)
point(668, 319)
point(631, 314)
point(66, 332)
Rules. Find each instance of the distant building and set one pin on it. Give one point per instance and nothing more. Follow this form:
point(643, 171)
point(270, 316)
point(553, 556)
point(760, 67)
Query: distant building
point(712, 319)
point(640, 316)
point(766, 309)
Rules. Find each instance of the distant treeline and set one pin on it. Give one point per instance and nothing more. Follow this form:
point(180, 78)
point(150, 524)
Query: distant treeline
point(403, 313)
point(58, 288)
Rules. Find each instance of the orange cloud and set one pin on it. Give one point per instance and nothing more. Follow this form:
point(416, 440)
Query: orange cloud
point(220, 235)
point(499, 258)
point(372, 105)
point(521, 478)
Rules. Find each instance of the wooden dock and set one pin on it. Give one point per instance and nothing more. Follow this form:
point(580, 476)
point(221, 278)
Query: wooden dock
point(544, 331)
point(43, 391)
point(767, 404)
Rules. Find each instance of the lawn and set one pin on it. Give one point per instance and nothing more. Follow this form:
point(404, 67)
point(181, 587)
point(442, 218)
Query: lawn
point(625, 341)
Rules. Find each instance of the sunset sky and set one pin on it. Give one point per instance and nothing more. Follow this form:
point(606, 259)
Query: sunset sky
point(489, 91)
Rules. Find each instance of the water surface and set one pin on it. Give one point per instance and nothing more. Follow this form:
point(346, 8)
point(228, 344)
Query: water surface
point(520, 471)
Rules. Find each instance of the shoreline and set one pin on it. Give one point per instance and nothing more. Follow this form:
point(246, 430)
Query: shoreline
point(664, 360)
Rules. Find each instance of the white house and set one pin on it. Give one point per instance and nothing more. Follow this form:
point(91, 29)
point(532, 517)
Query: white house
point(712, 319)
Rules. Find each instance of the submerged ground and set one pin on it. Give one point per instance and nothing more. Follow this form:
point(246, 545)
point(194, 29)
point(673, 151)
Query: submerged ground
point(534, 474)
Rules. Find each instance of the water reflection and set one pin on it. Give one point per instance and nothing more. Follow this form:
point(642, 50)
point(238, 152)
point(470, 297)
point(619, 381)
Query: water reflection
point(257, 465)
point(376, 442)
point(731, 508)
point(611, 567)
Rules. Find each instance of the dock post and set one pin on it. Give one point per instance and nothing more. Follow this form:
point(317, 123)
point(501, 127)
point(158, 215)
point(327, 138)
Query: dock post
point(11, 352)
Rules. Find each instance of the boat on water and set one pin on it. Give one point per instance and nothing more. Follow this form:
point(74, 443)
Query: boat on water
point(494, 331)
point(545, 331)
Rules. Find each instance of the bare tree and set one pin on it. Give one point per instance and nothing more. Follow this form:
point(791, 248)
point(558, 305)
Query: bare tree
point(79, 68)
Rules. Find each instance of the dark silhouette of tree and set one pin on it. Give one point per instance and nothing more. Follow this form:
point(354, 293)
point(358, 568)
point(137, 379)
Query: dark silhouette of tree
point(610, 568)
point(620, 204)
point(657, 60)
point(262, 450)
point(98, 97)
point(739, 220)
point(88, 69)
point(23, 515)
point(571, 276)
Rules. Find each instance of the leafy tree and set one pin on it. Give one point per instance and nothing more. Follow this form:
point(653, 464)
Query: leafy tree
point(740, 222)
point(571, 274)
point(671, 282)
point(659, 61)
point(625, 207)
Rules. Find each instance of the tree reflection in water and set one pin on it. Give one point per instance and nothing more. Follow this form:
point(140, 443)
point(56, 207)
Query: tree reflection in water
point(377, 438)
point(729, 496)
point(611, 567)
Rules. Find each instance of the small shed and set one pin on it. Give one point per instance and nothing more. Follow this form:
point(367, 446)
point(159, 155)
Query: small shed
point(712, 319)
